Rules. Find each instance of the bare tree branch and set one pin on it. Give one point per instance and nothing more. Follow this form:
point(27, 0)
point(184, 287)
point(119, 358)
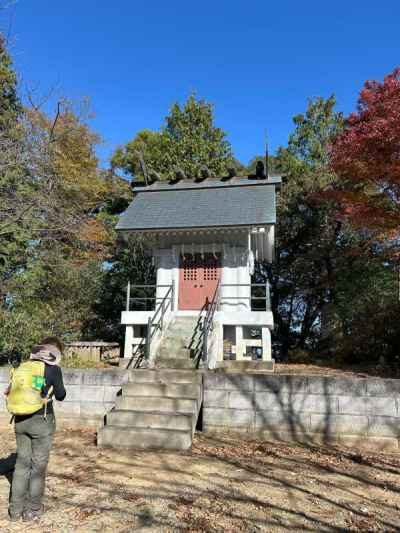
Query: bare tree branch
point(54, 123)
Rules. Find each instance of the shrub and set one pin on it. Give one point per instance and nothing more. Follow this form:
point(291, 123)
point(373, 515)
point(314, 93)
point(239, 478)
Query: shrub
point(299, 356)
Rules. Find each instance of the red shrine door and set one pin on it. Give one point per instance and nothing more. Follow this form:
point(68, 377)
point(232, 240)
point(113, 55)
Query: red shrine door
point(198, 279)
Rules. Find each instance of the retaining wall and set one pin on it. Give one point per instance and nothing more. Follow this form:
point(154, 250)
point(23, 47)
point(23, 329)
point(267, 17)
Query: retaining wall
point(91, 394)
point(312, 409)
point(353, 412)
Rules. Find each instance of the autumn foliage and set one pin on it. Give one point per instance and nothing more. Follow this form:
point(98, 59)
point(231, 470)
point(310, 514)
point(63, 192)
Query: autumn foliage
point(366, 158)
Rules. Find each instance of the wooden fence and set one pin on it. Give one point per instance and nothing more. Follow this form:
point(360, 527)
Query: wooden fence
point(93, 350)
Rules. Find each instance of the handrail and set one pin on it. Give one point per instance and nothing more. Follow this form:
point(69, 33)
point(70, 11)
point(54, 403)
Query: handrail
point(243, 284)
point(142, 299)
point(208, 322)
point(137, 356)
point(195, 345)
point(152, 323)
point(250, 297)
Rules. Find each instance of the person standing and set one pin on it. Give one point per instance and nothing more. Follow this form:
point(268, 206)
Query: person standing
point(34, 431)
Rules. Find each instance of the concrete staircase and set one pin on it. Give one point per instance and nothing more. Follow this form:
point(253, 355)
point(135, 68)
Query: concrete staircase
point(158, 409)
point(178, 343)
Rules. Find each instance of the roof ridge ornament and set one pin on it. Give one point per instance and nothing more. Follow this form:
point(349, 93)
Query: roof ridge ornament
point(231, 170)
point(142, 165)
point(154, 176)
point(260, 170)
point(204, 172)
point(179, 174)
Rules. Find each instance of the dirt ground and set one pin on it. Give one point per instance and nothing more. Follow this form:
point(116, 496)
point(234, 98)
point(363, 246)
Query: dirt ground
point(223, 484)
point(353, 371)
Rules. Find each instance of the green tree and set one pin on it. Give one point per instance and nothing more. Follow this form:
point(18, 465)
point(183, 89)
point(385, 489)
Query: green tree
point(314, 132)
point(57, 217)
point(130, 262)
point(308, 236)
point(15, 188)
point(193, 141)
point(366, 306)
point(145, 149)
point(10, 105)
point(188, 140)
point(331, 291)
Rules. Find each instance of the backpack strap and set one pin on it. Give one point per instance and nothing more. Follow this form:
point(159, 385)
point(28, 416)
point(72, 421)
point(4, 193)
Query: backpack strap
point(12, 370)
point(46, 400)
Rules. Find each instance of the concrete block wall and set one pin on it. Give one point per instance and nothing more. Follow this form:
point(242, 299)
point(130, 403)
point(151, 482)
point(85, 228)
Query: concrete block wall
point(312, 409)
point(91, 394)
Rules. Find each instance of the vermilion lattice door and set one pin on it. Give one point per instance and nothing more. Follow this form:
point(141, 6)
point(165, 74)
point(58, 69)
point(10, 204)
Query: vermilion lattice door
point(198, 279)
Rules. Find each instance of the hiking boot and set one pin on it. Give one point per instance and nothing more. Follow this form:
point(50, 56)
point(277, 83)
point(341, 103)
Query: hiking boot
point(32, 516)
point(14, 517)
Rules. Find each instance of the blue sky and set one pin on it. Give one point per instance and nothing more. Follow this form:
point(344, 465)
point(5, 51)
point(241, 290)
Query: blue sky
point(257, 61)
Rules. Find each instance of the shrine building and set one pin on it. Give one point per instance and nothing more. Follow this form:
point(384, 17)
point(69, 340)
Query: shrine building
point(207, 238)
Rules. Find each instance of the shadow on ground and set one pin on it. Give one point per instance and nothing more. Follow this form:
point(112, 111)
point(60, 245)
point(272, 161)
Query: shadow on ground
point(223, 484)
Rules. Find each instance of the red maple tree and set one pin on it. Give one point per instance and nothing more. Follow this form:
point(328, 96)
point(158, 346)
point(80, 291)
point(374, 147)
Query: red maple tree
point(366, 159)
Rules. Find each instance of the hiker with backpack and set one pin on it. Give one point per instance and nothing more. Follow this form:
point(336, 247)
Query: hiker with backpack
point(29, 399)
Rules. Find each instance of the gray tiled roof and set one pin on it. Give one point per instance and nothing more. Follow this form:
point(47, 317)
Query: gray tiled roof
point(161, 206)
point(237, 181)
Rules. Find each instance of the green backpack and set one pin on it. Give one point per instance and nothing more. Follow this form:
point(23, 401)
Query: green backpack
point(24, 393)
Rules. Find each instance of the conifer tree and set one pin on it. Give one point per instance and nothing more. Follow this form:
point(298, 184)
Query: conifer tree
point(10, 106)
point(188, 140)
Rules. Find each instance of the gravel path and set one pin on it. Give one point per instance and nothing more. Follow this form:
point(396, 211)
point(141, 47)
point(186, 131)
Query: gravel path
point(223, 484)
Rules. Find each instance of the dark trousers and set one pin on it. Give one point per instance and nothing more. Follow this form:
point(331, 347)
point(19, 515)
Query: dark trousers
point(34, 437)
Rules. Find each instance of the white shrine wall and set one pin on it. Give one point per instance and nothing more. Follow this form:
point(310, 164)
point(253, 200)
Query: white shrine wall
point(234, 272)
point(235, 305)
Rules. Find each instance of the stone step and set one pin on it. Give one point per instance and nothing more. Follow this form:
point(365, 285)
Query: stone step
point(187, 318)
point(175, 340)
point(165, 375)
point(175, 363)
point(159, 404)
point(184, 326)
point(170, 390)
point(166, 353)
point(185, 321)
point(148, 419)
point(144, 439)
point(175, 344)
point(178, 340)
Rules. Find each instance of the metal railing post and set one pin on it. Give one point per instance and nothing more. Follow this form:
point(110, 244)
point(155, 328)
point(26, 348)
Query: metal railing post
point(128, 295)
point(205, 343)
point(172, 295)
point(148, 338)
point(162, 315)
